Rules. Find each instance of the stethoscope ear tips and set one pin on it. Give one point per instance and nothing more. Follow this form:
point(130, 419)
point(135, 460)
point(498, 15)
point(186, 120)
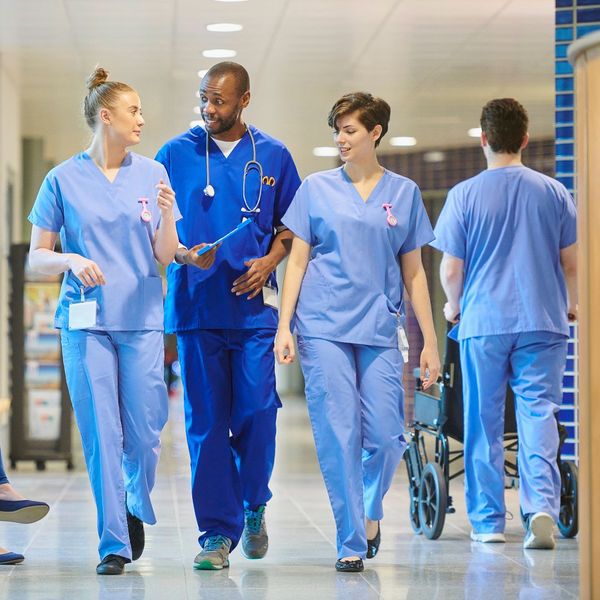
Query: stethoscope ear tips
point(209, 191)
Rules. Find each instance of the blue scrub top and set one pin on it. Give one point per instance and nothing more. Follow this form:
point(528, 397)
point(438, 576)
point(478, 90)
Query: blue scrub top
point(102, 221)
point(202, 299)
point(352, 290)
point(509, 225)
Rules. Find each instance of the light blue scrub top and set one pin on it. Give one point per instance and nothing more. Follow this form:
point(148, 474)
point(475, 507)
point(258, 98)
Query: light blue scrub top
point(202, 299)
point(353, 290)
point(102, 221)
point(509, 225)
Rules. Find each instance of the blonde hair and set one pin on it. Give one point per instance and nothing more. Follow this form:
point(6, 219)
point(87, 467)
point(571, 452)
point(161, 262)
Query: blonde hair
point(101, 94)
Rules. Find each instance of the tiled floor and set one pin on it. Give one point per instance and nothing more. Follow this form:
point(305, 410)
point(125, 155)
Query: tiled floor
point(61, 549)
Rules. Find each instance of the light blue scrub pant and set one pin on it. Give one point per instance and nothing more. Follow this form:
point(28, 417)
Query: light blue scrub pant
point(116, 384)
point(533, 365)
point(230, 413)
point(356, 405)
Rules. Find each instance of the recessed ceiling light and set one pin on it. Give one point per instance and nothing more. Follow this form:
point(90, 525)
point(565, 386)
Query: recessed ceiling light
point(474, 132)
point(326, 151)
point(224, 27)
point(435, 156)
point(197, 123)
point(403, 141)
point(219, 53)
point(197, 110)
point(202, 73)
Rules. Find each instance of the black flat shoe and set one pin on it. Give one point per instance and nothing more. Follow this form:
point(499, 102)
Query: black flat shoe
point(113, 564)
point(373, 545)
point(349, 566)
point(137, 538)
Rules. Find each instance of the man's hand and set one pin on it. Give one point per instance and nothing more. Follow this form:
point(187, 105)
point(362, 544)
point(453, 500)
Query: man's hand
point(452, 313)
point(253, 280)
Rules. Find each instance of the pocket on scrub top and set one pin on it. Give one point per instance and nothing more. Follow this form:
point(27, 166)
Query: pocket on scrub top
point(153, 302)
point(314, 298)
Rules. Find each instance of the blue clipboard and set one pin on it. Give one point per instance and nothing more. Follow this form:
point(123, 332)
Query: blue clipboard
point(241, 226)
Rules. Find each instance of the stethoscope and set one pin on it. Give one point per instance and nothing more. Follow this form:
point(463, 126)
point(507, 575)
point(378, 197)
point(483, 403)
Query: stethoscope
point(251, 165)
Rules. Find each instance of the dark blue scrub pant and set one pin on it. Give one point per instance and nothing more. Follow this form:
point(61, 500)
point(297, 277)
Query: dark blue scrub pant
point(230, 411)
point(3, 477)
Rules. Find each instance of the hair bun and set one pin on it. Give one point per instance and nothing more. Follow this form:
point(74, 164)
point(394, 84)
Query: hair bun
point(98, 77)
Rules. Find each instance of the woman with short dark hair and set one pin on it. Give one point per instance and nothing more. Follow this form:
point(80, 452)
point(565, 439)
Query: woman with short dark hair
point(358, 232)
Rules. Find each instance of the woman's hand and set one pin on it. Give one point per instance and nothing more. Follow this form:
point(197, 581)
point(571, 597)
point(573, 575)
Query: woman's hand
point(86, 270)
point(285, 351)
point(165, 198)
point(430, 366)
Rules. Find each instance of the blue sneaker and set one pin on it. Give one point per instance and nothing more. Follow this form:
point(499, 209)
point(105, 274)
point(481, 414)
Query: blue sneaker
point(255, 541)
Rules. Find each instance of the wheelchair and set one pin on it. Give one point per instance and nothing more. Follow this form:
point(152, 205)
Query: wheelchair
point(439, 413)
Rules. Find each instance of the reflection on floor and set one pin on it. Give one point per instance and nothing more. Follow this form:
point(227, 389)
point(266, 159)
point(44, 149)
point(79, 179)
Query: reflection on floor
point(61, 550)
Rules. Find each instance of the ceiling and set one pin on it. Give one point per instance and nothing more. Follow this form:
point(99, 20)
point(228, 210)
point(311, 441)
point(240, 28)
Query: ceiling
point(435, 61)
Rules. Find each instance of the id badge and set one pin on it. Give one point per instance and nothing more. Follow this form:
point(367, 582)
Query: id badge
point(82, 315)
point(402, 342)
point(270, 297)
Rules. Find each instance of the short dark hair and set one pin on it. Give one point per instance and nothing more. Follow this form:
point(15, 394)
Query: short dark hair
point(242, 79)
point(504, 122)
point(371, 111)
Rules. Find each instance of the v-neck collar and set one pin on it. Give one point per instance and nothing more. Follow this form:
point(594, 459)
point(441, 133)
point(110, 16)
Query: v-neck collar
point(212, 145)
point(101, 176)
point(356, 193)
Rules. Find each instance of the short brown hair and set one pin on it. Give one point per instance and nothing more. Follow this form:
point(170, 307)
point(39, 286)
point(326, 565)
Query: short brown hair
point(101, 94)
point(504, 122)
point(371, 111)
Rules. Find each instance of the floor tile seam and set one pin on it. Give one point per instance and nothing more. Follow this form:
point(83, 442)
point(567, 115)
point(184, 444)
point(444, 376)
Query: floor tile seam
point(177, 517)
point(322, 534)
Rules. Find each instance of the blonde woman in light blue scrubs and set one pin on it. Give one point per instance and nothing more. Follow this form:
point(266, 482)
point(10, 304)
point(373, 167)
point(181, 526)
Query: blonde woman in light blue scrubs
point(115, 213)
point(358, 232)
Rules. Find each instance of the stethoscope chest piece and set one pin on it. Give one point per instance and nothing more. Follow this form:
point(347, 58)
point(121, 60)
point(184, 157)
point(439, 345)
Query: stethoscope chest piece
point(209, 191)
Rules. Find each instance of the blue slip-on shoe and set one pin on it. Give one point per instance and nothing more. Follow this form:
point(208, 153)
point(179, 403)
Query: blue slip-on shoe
point(11, 558)
point(22, 511)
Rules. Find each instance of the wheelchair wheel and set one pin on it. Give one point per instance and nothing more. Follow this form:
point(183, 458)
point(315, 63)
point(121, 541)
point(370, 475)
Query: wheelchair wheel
point(413, 509)
point(568, 523)
point(433, 499)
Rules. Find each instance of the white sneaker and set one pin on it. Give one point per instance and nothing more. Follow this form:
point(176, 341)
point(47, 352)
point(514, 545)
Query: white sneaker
point(488, 538)
point(540, 532)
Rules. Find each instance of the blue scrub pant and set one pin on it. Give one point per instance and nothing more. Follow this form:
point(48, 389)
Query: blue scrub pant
point(230, 411)
point(3, 477)
point(355, 402)
point(533, 365)
point(116, 383)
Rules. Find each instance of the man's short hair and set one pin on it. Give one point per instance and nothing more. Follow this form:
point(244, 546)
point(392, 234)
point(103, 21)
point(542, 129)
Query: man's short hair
point(504, 122)
point(371, 111)
point(242, 79)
